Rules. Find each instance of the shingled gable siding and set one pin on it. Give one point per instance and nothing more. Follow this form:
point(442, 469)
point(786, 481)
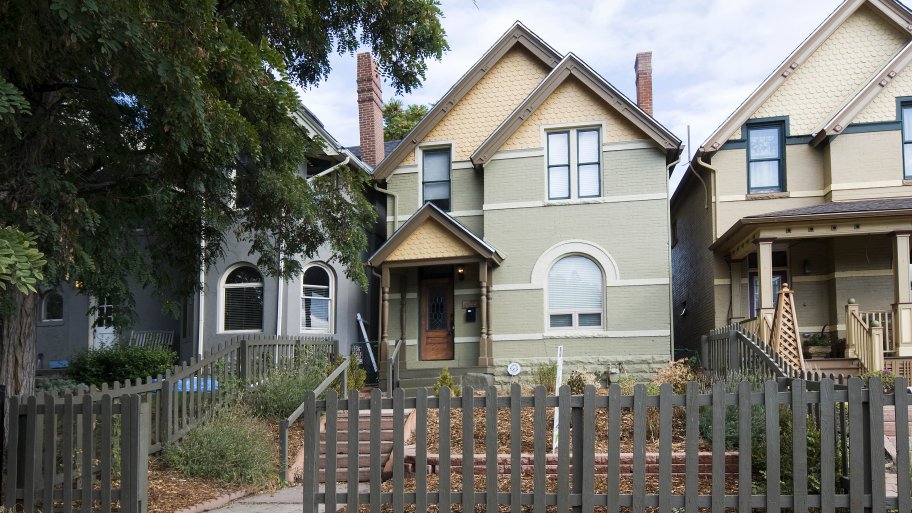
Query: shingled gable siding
point(833, 73)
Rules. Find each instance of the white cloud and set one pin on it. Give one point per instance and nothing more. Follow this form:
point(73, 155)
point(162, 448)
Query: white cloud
point(708, 55)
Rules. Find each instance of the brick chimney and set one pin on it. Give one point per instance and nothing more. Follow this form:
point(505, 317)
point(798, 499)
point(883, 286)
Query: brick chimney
point(370, 110)
point(643, 70)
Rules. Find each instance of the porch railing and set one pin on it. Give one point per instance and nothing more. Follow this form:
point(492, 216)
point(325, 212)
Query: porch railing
point(885, 318)
point(760, 327)
point(865, 339)
point(899, 366)
point(392, 368)
point(733, 350)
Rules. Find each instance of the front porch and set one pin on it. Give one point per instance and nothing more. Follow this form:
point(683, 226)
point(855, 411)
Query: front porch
point(435, 304)
point(849, 265)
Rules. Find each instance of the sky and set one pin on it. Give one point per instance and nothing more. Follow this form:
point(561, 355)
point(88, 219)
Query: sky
point(707, 55)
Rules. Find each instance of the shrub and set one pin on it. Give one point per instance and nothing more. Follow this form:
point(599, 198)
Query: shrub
point(545, 375)
point(886, 377)
point(445, 380)
point(578, 381)
point(54, 385)
point(677, 374)
point(119, 362)
point(232, 448)
point(356, 375)
point(277, 396)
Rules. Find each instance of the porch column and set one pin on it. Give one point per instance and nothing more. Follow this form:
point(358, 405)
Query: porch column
point(737, 312)
point(765, 277)
point(384, 313)
point(902, 309)
point(484, 355)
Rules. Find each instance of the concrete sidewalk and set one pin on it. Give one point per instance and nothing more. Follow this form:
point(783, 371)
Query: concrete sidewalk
point(286, 500)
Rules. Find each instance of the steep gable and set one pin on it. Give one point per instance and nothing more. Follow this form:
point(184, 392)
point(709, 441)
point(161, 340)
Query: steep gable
point(430, 240)
point(883, 106)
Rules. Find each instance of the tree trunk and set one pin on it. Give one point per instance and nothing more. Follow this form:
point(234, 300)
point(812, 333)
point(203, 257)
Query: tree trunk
point(18, 357)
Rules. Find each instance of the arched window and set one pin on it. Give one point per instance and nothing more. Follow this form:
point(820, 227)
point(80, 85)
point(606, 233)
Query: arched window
point(317, 300)
point(575, 293)
point(243, 300)
point(52, 307)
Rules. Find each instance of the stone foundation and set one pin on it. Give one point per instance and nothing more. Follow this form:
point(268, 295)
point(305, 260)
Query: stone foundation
point(602, 367)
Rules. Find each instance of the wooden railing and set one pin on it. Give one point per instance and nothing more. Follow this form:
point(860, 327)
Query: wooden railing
point(589, 469)
point(866, 341)
point(732, 350)
point(899, 366)
point(885, 319)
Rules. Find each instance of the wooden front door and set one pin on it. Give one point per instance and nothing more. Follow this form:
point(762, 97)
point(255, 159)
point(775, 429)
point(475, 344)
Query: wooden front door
point(436, 320)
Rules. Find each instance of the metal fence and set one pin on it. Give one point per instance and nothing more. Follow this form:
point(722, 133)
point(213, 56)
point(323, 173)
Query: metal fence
point(798, 472)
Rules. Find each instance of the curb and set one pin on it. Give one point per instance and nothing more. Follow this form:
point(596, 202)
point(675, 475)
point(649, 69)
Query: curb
point(217, 502)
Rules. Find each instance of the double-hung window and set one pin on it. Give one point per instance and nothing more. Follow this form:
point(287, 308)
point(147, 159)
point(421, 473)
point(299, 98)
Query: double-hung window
point(316, 300)
point(243, 300)
point(574, 164)
point(435, 185)
point(907, 140)
point(765, 158)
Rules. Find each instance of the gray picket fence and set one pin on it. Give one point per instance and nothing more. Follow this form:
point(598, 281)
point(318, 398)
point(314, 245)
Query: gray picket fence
point(77, 454)
point(849, 420)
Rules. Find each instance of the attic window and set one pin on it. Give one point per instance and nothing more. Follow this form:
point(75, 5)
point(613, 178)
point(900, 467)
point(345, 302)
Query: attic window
point(907, 140)
point(765, 158)
point(436, 177)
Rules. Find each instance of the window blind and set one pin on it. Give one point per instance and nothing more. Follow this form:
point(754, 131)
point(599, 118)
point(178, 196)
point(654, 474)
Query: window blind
point(244, 308)
point(575, 293)
point(317, 300)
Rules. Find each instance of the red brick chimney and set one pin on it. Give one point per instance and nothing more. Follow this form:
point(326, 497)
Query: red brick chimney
point(643, 70)
point(370, 110)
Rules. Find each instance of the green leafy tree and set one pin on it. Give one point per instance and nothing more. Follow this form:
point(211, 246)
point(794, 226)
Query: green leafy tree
point(127, 127)
point(399, 119)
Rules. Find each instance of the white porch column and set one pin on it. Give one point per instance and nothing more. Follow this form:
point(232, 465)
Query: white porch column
point(765, 279)
point(737, 311)
point(484, 355)
point(902, 309)
point(384, 313)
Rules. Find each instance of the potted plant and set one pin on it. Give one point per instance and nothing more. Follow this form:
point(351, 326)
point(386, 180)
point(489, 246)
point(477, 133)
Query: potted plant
point(819, 345)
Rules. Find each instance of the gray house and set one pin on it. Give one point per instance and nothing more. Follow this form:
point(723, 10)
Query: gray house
point(237, 299)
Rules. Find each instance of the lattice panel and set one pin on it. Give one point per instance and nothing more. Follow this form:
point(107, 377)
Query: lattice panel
point(786, 340)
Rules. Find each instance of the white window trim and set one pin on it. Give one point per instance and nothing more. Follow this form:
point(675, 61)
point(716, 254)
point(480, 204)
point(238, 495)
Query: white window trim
point(419, 164)
point(44, 317)
point(574, 328)
point(573, 129)
point(221, 297)
point(332, 298)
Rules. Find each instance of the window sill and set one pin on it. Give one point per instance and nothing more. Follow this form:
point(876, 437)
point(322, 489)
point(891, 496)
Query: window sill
point(48, 324)
point(237, 332)
point(766, 195)
point(574, 201)
point(907, 181)
point(577, 333)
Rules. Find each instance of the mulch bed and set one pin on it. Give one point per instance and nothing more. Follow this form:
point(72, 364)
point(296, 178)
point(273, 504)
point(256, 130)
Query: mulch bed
point(171, 491)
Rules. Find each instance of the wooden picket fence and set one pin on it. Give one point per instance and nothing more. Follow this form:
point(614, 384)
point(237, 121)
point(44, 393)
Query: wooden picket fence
point(77, 454)
point(849, 420)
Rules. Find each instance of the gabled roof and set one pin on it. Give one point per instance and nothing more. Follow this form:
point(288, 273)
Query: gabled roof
point(863, 97)
point(429, 211)
point(517, 35)
point(891, 9)
point(388, 147)
point(310, 122)
point(572, 66)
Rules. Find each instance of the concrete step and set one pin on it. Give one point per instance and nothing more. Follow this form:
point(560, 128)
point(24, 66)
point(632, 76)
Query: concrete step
point(364, 447)
point(342, 475)
point(342, 460)
point(342, 435)
point(364, 423)
point(836, 366)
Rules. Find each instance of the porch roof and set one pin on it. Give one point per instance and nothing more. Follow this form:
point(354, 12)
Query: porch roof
point(833, 219)
point(433, 236)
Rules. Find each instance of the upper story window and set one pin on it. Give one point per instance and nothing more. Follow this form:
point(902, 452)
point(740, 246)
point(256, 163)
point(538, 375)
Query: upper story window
point(575, 293)
point(579, 151)
point(907, 140)
point(317, 300)
point(765, 158)
point(435, 167)
point(242, 309)
point(52, 307)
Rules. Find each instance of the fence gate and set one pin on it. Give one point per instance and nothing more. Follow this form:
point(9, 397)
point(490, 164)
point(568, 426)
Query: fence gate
point(75, 453)
point(786, 444)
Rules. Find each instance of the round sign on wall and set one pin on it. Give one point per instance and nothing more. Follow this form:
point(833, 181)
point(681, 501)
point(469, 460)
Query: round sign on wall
point(513, 369)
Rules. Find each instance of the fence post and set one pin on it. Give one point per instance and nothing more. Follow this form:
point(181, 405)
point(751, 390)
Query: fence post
point(243, 361)
point(283, 450)
point(704, 352)
point(311, 453)
point(866, 444)
point(164, 412)
point(578, 431)
point(733, 353)
point(2, 431)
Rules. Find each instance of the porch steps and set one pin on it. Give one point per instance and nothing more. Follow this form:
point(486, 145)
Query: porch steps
point(365, 444)
point(835, 366)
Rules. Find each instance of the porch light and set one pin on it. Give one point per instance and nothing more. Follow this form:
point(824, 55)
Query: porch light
point(460, 272)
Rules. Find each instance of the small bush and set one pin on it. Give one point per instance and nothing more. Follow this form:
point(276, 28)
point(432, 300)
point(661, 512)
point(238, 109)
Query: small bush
point(119, 362)
point(445, 380)
point(578, 381)
point(277, 396)
point(677, 374)
point(232, 448)
point(54, 385)
point(886, 377)
point(356, 375)
point(546, 375)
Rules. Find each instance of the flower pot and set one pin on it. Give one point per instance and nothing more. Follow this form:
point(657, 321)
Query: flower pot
point(818, 351)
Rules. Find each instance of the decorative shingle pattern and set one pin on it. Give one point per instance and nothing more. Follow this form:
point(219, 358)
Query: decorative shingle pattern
point(430, 240)
point(487, 104)
point(883, 106)
point(835, 72)
point(572, 102)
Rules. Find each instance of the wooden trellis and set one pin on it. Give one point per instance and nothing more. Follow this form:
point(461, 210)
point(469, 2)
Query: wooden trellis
point(786, 340)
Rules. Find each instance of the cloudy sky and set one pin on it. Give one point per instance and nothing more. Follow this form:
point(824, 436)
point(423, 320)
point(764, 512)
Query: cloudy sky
point(708, 55)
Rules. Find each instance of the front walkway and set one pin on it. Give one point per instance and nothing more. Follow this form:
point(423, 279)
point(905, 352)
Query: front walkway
point(286, 500)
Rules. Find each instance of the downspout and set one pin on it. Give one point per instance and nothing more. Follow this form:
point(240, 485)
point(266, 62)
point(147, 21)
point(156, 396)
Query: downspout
point(395, 205)
point(331, 169)
point(279, 298)
point(715, 195)
point(668, 169)
point(201, 315)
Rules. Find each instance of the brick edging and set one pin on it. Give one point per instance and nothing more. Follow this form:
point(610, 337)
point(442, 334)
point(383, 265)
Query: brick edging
point(217, 502)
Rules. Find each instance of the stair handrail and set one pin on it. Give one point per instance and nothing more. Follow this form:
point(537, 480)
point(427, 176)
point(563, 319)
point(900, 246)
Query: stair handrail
point(858, 337)
point(392, 367)
point(340, 370)
point(736, 349)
